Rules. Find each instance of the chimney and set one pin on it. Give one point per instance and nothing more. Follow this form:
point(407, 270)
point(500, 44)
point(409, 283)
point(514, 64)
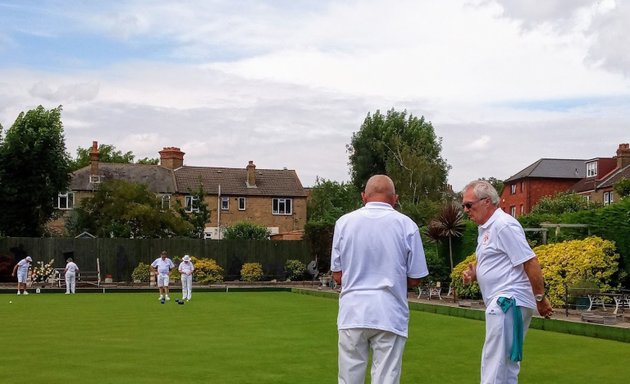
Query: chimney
point(94, 159)
point(623, 155)
point(171, 157)
point(251, 175)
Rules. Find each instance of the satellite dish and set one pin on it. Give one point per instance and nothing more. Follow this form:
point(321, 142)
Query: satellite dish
point(312, 268)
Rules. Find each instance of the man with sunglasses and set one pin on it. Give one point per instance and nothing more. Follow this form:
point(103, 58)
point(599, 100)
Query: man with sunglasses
point(510, 279)
point(377, 255)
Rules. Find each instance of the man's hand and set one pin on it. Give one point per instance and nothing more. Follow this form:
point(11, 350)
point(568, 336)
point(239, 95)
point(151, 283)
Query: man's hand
point(469, 275)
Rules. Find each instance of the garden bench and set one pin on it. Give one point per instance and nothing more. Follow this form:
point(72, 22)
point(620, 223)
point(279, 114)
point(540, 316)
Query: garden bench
point(89, 277)
point(599, 319)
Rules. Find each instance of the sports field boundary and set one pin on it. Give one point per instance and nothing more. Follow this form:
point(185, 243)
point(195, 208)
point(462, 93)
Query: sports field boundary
point(599, 331)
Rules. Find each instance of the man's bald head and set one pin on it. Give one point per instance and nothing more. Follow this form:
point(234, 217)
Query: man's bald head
point(380, 188)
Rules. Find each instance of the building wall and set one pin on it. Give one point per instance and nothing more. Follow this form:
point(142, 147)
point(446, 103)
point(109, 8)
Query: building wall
point(529, 192)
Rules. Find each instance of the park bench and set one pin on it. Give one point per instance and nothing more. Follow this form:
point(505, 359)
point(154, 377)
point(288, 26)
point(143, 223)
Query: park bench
point(599, 319)
point(83, 277)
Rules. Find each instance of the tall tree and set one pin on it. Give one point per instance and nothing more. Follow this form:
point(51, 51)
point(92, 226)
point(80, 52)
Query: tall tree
point(33, 171)
point(405, 148)
point(107, 153)
point(198, 214)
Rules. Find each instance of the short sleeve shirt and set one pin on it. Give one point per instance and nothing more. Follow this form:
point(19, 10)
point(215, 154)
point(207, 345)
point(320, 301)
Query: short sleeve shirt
point(501, 251)
point(186, 267)
point(71, 267)
point(23, 266)
point(163, 265)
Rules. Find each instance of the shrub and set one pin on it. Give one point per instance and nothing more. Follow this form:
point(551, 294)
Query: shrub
point(246, 231)
point(251, 272)
point(470, 291)
point(175, 275)
point(207, 271)
point(295, 269)
point(141, 273)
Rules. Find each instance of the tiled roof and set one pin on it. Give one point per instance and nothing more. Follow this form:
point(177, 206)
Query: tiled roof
point(553, 169)
point(233, 181)
point(157, 178)
point(614, 177)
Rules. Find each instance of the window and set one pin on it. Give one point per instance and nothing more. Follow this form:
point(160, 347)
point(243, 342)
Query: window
point(608, 198)
point(192, 204)
point(513, 211)
point(241, 204)
point(522, 209)
point(522, 186)
point(225, 203)
point(513, 189)
point(281, 206)
point(591, 169)
point(166, 202)
point(65, 200)
point(95, 179)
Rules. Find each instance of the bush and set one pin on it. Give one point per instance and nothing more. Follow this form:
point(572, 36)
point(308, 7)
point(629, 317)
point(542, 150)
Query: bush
point(295, 269)
point(471, 291)
point(141, 273)
point(207, 271)
point(251, 272)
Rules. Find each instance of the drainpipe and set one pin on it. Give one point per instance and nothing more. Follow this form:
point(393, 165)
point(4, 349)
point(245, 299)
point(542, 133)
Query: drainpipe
point(219, 213)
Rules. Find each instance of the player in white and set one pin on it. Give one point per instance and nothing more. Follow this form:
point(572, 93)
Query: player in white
point(22, 273)
point(162, 266)
point(70, 273)
point(186, 269)
point(510, 279)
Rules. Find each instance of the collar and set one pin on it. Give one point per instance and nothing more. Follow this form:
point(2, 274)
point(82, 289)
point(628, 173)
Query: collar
point(492, 219)
point(378, 204)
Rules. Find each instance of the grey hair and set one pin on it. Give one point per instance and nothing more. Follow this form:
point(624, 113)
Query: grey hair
point(482, 190)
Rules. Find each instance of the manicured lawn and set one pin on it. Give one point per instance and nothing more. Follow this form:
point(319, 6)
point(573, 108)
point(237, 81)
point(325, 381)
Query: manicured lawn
point(267, 337)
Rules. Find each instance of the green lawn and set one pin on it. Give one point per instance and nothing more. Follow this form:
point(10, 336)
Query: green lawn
point(238, 337)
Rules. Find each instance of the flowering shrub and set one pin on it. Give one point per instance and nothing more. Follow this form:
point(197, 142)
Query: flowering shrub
point(141, 273)
point(206, 271)
point(251, 272)
point(42, 272)
point(472, 290)
point(294, 269)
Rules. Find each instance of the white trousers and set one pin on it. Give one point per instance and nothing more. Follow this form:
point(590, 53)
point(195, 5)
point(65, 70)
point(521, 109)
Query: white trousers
point(71, 282)
point(354, 347)
point(186, 286)
point(496, 366)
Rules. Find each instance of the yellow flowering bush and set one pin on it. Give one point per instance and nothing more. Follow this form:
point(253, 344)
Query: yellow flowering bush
point(206, 271)
point(471, 290)
point(251, 272)
point(592, 259)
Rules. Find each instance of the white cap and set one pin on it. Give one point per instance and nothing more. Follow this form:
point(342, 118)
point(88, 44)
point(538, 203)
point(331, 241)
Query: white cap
point(28, 258)
point(186, 258)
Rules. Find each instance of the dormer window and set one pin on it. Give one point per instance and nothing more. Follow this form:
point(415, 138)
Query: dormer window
point(591, 169)
point(95, 179)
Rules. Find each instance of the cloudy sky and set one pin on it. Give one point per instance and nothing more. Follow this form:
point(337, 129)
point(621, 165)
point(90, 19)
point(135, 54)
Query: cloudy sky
point(285, 83)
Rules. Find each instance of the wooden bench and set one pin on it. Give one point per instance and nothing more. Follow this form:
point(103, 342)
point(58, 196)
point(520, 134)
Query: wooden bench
point(83, 277)
point(599, 319)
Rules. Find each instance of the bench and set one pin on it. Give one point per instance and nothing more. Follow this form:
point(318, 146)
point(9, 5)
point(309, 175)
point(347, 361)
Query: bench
point(599, 319)
point(83, 277)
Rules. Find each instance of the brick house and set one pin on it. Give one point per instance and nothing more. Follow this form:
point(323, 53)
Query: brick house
point(545, 177)
point(270, 197)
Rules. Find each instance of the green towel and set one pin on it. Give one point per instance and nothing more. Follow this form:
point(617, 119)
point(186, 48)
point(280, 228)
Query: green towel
point(517, 340)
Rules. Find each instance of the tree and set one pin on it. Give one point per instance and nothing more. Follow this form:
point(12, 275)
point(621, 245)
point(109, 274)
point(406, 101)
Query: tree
point(200, 214)
point(107, 154)
point(563, 202)
point(407, 149)
point(622, 187)
point(246, 231)
point(33, 171)
point(128, 210)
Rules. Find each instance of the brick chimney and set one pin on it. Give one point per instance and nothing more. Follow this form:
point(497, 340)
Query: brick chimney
point(94, 159)
point(623, 155)
point(251, 175)
point(171, 157)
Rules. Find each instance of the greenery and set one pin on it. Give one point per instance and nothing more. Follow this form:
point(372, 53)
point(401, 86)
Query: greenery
point(246, 230)
point(141, 273)
point(563, 202)
point(251, 272)
point(622, 187)
point(128, 210)
point(448, 224)
point(405, 148)
point(33, 171)
point(295, 269)
point(107, 153)
point(199, 216)
point(471, 291)
point(207, 271)
point(239, 324)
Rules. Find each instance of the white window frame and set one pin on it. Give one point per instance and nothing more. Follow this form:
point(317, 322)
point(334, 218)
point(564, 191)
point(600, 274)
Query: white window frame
point(68, 199)
point(225, 203)
point(192, 203)
point(242, 203)
point(591, 169)
point(165, 202)
point(608, 198)
point(513, 210)
point(282, 206)
point(513, 189)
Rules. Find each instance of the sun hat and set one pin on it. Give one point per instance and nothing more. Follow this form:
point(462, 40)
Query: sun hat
point(186, 258)
point(28, 258)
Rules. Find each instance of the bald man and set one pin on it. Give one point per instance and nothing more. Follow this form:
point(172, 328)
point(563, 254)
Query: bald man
point(377, 256)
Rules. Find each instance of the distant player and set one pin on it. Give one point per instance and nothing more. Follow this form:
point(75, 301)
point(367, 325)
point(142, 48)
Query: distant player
point(70, 273)
point(162, 266)
point(22, 273)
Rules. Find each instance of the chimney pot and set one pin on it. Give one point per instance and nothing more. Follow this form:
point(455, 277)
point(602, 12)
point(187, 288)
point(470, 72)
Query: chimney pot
point(171, 157)
point(251, 174)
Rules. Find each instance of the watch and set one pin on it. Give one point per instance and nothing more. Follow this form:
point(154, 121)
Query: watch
point(540, 297)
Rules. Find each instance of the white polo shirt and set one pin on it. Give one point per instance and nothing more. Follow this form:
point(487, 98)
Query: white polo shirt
point(376, 248)
point(501, 251)
point(71, 267)
point(186, 267)
point(23, 266)
point(163, 266)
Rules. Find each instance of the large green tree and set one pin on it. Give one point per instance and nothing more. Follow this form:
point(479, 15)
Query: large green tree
point(33, 171)
point(246, 230)
point(406, 148)
point(107, 153)
point(128, 210)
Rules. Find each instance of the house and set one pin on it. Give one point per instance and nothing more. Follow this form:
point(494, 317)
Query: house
point(274, 198)
point(545, 177)
point(602, 174)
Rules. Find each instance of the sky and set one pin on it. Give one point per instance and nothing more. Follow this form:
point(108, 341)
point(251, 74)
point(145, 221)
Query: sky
point(285, 83)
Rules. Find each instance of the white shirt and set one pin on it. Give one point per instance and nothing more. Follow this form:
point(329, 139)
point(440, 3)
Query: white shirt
point(501, 251)
point(23, 266)
point(71, 267)
point(186, 267)
point(376, 248)
point(163, 265)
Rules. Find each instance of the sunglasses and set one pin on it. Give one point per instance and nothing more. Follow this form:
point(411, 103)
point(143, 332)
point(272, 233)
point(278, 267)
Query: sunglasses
point(471, 203)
